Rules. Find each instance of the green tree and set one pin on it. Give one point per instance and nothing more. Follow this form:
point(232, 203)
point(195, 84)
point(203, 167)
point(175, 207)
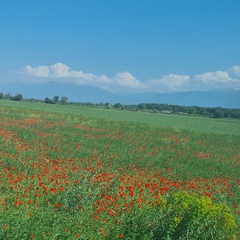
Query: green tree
point(117, 105)
point(108, 105)
point(55, 99)
point(18, 97)
point(142, 106)
point(7, 95)
point(64, 100)
point(192, 110)
point(1, 95)
point(203, 111)
point(47, 100)
point(218, 113)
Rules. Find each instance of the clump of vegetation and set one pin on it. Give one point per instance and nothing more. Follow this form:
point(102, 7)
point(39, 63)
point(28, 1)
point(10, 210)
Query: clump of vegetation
point(179, 216)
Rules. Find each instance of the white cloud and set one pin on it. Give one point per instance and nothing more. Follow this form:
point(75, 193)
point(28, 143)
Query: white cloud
point(40, 71)
point(218, 76)
point(219, 80)
point(126, 79)
point(171, 82)
point(62, 72)
point(236, 70)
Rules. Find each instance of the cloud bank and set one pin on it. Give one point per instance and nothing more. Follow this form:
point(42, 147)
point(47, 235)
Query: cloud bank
point(236, 70)
point(125, 81)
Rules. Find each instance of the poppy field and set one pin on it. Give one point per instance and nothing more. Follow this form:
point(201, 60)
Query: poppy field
point(65, 176)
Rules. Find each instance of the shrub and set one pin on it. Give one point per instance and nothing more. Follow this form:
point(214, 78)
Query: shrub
point(180, 216)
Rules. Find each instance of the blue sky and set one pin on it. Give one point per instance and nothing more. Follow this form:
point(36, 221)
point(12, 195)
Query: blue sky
point(122, 46)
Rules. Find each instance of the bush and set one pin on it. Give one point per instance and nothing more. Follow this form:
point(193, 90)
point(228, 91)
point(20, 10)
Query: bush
point(180, 216)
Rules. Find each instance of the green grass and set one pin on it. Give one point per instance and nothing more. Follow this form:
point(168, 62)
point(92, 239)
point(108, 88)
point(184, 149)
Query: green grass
point(196, 123)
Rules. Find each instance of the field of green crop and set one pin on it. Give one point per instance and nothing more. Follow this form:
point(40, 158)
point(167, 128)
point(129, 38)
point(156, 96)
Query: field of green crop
point(82, 173)
point(196, 123)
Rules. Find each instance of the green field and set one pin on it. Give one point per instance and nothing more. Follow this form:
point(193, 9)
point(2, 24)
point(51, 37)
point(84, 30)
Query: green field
point(196, 123)
point(70, 172)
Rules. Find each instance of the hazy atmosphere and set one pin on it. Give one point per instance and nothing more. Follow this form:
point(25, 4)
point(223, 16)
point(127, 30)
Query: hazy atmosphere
point(122, 47)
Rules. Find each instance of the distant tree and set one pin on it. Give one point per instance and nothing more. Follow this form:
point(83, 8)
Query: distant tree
point(203, 112)
point(47, 100)
point(55, 99)
point(1, 95)
point(227, 113)
point(117, 105)
point(183, 109)
point(17, 97)
point(7, 95)
point(192, 110)
point(218, 113)
point(64, 100)
point(142, 106)
point(236, 113)
point(108, 105)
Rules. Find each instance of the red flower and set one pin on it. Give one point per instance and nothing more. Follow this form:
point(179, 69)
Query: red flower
point(58, 205)
point(101, 231)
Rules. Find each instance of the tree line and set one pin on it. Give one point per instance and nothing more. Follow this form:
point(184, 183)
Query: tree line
point(214, 112)
point(19, 97)
point(56, 99)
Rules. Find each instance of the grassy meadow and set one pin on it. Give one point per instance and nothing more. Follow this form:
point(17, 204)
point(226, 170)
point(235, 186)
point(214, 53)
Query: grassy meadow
point(70, 172)
point(195, 123)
